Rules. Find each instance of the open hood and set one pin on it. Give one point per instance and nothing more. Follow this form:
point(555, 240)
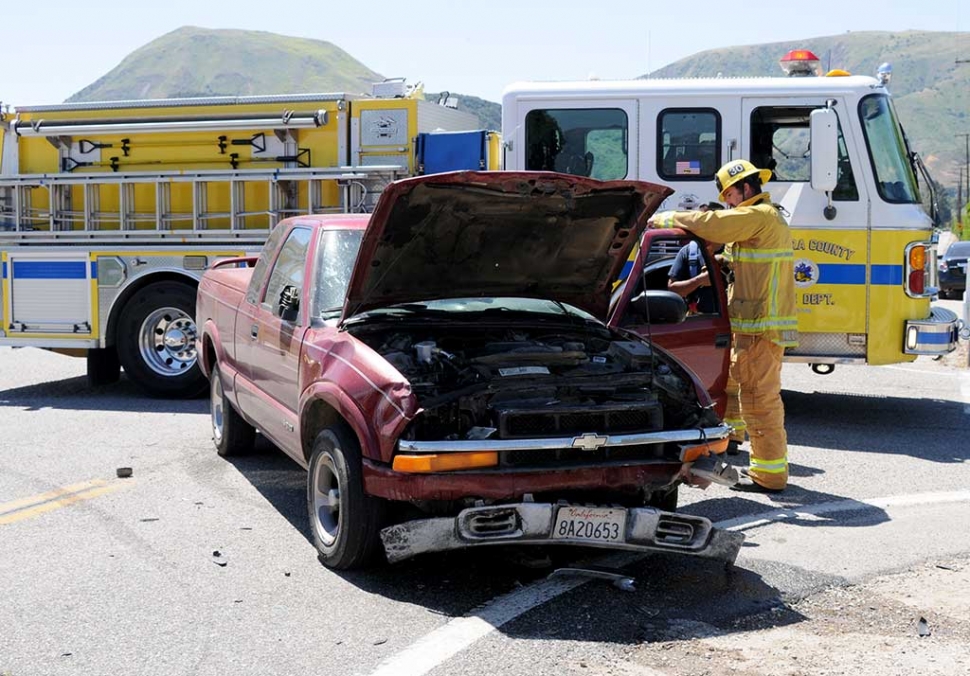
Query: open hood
point(491, 234)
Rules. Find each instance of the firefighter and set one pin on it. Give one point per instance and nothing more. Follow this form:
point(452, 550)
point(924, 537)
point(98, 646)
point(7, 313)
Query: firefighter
point(761, 305)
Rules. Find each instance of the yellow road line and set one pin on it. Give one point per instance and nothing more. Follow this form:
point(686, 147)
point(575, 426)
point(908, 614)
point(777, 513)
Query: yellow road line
point(25, 508)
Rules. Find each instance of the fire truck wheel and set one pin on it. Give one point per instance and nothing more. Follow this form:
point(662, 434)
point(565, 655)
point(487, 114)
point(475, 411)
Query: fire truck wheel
point(103, 366)
point(345, 523)
point(230, 433)
point(156, 340)
point(664, 499)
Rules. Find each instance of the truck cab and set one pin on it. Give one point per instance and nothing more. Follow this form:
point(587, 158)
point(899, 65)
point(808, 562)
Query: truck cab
point(842, 172)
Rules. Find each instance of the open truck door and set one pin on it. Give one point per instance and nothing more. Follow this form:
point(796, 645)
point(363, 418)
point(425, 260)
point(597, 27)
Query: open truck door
point(702, 340)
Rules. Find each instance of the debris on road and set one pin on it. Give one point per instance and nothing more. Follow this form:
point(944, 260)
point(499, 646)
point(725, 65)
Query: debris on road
point(923, 627)
point(619, 580)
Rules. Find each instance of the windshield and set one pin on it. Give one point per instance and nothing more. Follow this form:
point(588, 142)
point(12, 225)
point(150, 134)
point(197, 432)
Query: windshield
point(459, 308)
point(336, 256)
point(887, 150)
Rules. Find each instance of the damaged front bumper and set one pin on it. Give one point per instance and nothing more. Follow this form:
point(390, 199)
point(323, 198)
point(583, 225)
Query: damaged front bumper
point(642, 529)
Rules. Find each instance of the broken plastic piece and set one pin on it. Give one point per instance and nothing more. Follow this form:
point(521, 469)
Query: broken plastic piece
point(620, 581)
point(924, 627)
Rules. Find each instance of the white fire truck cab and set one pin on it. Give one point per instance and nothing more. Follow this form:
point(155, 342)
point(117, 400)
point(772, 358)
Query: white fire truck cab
point(865, 254)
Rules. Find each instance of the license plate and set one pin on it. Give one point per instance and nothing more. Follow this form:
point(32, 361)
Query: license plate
point(592, 524)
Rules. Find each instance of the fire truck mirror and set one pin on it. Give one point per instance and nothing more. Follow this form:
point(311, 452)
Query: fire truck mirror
point(824, 148)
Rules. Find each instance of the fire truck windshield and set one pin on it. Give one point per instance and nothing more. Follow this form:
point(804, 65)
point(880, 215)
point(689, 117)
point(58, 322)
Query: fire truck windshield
point(887, 150)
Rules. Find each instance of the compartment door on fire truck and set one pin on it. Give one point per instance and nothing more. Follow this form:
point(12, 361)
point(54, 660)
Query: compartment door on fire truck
point(49, 293)
point(598, 140)
point(831, 254)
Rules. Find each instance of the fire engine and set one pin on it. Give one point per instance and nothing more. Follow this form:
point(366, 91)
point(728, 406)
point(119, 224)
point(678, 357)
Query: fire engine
point(842, 171)
point(110, 212)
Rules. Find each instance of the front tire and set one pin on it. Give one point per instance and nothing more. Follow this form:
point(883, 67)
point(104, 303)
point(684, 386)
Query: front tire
point(345, 523)
point(156, 340)
point(231, 434)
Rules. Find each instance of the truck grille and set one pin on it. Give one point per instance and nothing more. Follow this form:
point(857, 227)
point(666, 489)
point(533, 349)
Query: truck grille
point(566, 457)
point(570, 420)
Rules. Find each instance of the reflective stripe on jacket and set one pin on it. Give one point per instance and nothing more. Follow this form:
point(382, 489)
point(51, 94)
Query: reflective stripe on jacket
point(762, 298)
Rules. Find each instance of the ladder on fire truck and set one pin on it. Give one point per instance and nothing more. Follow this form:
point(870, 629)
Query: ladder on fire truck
point(73, 202)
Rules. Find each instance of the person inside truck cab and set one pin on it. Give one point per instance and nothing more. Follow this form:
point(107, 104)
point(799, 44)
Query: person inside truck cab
point(761, 306)
point(689, 277)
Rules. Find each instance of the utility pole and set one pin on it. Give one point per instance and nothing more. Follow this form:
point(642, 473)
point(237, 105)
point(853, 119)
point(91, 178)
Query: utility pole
point(966, 140)
point(960, 201)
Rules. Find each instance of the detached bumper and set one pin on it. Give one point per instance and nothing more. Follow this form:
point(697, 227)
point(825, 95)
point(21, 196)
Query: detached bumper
point(644, 529)
point(935, 335)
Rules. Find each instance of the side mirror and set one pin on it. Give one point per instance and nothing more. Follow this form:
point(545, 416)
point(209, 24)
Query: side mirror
point(658, 307)
point(825, 149)
point(289, 303)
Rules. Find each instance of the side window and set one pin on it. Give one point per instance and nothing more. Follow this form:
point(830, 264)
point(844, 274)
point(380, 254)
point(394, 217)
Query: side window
point(688, 144)
point(290, 265)
point(582, 141)
point(270, 248)
point(780, 141)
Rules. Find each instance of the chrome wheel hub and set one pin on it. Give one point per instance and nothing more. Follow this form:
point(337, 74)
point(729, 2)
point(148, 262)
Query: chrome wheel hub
point(167, 341)
point(325, 488)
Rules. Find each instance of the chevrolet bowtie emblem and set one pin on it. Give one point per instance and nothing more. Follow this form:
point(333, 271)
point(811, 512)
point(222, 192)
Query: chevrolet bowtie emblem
point(589, 441)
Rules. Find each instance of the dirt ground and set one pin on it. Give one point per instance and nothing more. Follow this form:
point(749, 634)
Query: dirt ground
point(915, 623)
point(958, 358)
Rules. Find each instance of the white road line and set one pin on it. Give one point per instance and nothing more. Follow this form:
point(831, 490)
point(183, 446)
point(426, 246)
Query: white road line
point(436, 647)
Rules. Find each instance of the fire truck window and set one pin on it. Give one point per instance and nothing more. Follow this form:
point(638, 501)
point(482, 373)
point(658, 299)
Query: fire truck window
point(581, 141)
point(781, 142)
point(688, 144)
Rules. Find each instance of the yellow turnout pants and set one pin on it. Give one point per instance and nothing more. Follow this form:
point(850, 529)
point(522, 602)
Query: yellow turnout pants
point(732, 412)
point(756, 367)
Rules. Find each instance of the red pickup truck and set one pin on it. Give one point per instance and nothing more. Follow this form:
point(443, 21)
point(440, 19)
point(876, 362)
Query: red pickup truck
point(443, 370)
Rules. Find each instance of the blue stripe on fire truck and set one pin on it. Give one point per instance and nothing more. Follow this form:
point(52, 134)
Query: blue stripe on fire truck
point(841, 273)
point(891, 275)
point(51, 270)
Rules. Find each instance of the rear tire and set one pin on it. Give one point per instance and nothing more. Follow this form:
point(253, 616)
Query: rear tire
point(103, 366)
point(231, 434)
point(156, 340)
point(345, 522)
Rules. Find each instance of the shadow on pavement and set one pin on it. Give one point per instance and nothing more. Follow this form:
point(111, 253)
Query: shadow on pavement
point(76, 395)
point(671, 590)
point(873, 424)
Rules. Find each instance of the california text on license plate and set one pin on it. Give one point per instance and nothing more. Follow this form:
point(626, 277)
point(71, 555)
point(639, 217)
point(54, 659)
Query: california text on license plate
point(596, 524)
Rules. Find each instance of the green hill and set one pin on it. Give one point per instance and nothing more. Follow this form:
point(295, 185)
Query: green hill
point(931, 90)
point(194, 61)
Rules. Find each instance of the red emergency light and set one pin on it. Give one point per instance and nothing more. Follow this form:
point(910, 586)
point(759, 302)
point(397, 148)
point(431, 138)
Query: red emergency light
point(800, 63)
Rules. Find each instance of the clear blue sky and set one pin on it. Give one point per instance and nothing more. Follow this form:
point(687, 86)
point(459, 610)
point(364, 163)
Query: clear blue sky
point(52, 48)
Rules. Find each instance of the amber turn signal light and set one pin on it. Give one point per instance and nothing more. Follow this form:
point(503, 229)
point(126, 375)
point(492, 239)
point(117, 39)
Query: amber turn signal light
point(444, 462)
point(917, 257)
point(692, 453)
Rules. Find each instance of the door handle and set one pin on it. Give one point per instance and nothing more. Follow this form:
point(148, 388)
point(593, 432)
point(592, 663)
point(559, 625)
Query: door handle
point(722, 340)
point(254, 331)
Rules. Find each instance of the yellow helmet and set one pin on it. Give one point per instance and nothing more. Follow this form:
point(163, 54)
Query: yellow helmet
point(736, 170)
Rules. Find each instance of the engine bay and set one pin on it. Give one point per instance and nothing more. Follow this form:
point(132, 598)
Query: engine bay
point(483, 381)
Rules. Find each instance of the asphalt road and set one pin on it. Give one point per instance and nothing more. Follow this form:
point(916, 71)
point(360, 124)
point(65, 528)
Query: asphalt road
point(106, 575)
